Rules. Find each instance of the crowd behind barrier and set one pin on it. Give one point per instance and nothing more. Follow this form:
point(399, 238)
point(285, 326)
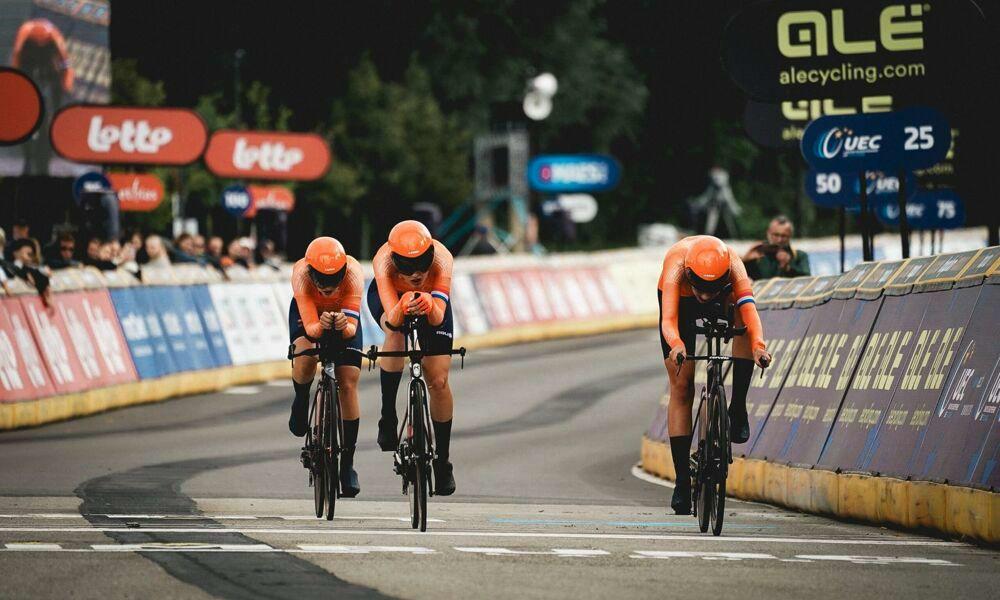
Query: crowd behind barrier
point(883, 399)
point(101, 339)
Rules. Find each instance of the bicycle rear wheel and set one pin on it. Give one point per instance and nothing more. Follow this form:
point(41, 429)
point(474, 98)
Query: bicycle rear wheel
point(331, 449)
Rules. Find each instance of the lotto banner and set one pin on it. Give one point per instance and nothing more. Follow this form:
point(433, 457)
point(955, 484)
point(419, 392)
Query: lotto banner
point(23, 375)
point(808, 403)
point(72, 368)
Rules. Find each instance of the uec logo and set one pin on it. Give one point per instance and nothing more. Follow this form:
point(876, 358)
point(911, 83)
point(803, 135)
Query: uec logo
point(843, 142)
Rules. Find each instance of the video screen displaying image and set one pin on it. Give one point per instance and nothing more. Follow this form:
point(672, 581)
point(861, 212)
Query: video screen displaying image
point(62, 45)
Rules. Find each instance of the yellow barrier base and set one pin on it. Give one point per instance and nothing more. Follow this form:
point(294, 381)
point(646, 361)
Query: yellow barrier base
point(952, 510)
point(15, 415)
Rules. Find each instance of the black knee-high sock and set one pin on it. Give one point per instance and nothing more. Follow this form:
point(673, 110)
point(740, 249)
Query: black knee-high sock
point(442, 438)
point(742, 373)
point(351, 433)
point(301, 391)
point(390, 385)
point(680, 450)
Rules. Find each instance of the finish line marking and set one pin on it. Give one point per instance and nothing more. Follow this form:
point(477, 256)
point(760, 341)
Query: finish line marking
point(492, 534)
point(198, 547)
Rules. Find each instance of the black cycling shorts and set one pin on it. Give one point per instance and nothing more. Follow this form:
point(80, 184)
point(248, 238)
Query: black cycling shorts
point(688, 311)
point(344, 353)
point(433, 339)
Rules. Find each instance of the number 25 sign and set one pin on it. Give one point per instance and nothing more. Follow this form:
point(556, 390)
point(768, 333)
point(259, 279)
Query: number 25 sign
point(912, 138)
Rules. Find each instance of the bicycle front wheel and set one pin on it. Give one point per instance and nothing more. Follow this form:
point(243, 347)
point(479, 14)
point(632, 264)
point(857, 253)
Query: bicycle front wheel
point(720, 460)
point(317, 467)
point(331, 450)
point(421, 455)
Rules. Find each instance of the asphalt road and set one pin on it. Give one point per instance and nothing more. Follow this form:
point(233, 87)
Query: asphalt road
point(204, 496)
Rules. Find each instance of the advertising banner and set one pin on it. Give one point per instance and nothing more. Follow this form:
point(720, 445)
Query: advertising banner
point(23, 375)
point(128, 135)
point(961, 440)
point(164, 322)
point(137, 192)
point(67, 372)
point(829, 49)
point(781, 124)
point(785, 330)
point(20, 107)
point(898, 349)
point(269, 197)
point(182, 315)
point(210, 323)
point(236, 200)
point(91, 181)
point(567, 173)
point(937, 346)
point(149, 350)
point(469, 316)
point(90, 315)
point(844, 189)
point(267, 155)
point(912, 138)
point(803, 413)
point(62, 47)
point(255, 328)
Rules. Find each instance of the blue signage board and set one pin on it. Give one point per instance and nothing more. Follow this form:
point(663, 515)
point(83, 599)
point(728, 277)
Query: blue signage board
point(564, 173)
point(831, 189)
point(912, 138)
point(210, 323)
point(188, 321)
point(91, 181)
point(929, 209)
point(236, 200)
point(143, 332)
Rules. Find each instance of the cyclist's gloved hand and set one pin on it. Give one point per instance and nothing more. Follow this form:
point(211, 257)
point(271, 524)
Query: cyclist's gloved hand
point(677, 356)
point(396, 313)
point(340, 321)
point(327, 320)
point(422, 304)
point(762, 358)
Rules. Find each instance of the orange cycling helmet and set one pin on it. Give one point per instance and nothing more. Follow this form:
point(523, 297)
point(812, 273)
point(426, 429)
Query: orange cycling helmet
point(706, 265)
point(412, 247)
point(327, 262)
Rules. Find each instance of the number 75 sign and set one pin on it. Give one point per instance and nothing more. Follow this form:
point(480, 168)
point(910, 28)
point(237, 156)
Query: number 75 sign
point(912, 138)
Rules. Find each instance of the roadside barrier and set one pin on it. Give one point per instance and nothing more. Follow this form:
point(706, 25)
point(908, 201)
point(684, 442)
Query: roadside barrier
point(883, 400)
point(107, 340)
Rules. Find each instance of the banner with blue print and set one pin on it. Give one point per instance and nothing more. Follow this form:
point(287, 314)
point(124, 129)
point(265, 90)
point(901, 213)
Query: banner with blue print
point(210, 323)
point(143, 332)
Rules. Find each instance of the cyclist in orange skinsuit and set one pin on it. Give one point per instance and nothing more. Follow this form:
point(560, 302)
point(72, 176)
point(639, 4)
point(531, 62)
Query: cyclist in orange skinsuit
point(327, 284)
point(702, 275)
point(413, 277)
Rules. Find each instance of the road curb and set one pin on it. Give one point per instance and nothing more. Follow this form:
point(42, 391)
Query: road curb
point(952, 510)
point(17, 415)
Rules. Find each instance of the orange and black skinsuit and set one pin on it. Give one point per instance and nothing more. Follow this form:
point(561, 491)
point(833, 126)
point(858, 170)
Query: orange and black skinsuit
point(303, 313)
point(679, 308)
point(40, 51)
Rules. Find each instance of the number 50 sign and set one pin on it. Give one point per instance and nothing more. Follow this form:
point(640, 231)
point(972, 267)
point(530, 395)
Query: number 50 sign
point(912, 138)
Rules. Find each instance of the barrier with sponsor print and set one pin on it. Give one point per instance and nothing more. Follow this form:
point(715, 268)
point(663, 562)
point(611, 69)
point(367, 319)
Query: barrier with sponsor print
point(107, 340)
point(882, 401)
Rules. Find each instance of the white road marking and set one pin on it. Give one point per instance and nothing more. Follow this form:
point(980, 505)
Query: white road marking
point(278, 383)
point(182, 547)
point(44, 516)
point(702, 555)
point(142, 517)
point(500, 534)
point(364, 549)
point(566, 552)
point(638, 473)
point(881, 560)
point(347, 518)
point(35, 546)
point(243, 390)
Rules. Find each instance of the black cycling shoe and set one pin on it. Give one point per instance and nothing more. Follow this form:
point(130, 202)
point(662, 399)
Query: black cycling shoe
point(681, 500)
point(739, 427)
point(349, 485)
point(387, 439)
point(444, 478)
point(298, 422)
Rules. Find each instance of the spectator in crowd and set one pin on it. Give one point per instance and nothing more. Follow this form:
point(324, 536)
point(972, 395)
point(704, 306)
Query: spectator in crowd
point(240, 252)
point(20, 231)
point(198, 245)
point(62, 251)
point(98, 255)
point(25, 265)
point(776, 257)
point(6, 267)
point(184, 249)
point(213, 252)
point(155, 253)
point(267, 256)
point(126, 255)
